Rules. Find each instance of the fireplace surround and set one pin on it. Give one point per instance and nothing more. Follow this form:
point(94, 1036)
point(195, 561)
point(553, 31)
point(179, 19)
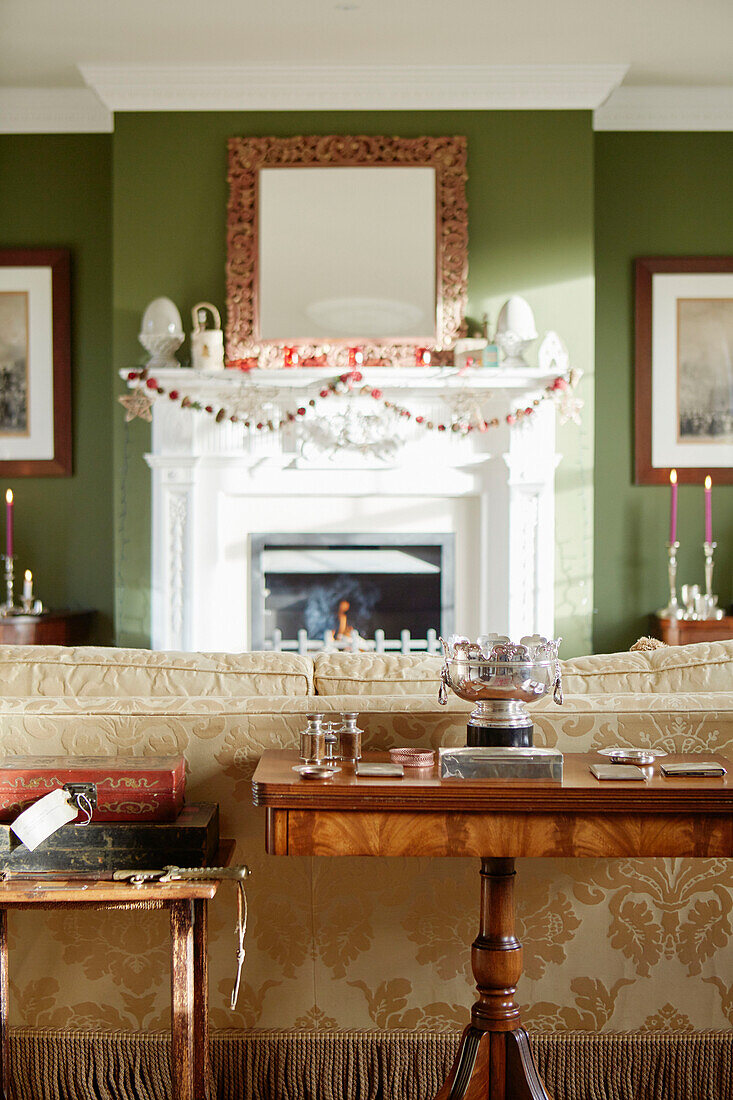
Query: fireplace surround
point(218, 486)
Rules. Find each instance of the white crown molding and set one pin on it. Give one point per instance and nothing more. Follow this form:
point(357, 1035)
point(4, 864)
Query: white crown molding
point(284, 87)
point(666, 108)
point(53, 111)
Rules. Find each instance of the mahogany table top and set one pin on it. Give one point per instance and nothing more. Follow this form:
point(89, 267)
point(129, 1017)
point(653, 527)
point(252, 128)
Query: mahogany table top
point(426, 816)
point(275, 784)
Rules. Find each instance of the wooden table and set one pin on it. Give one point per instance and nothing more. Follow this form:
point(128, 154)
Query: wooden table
point(187, 905)
point(496, 821)
point(688, 631)
point(51, 628)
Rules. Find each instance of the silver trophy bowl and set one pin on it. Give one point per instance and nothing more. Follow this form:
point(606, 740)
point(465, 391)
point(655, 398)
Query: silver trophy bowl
point(500, 677)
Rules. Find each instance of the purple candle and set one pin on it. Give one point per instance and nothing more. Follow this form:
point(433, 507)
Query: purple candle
point(708, 509)
point(673, 507)
point(9, 523)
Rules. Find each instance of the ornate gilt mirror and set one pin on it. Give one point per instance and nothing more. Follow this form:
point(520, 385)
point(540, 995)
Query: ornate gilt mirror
point(335, 242)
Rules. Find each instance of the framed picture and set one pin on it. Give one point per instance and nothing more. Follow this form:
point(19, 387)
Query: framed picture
point(684, 368)
point(35, 362)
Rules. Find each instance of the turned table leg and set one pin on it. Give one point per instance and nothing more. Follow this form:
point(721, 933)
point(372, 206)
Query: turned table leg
point(182, 1000)
point(4, 1007)
point(201, 1064)
point(495, 1061)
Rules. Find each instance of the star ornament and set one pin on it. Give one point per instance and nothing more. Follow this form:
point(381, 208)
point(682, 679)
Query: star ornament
point(136, 404)
point(569, 409)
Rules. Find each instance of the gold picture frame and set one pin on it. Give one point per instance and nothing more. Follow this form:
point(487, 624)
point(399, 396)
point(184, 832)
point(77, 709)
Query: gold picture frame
point(247, 156)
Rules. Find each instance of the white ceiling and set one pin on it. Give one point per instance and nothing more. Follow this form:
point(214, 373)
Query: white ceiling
point(676, 44)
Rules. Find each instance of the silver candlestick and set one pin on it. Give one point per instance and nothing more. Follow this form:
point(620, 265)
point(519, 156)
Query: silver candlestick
point(673, 609)
point(712, 611)
point(7, 607)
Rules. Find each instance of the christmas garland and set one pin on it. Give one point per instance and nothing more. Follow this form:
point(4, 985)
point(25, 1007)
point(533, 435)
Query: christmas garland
point(139, 403)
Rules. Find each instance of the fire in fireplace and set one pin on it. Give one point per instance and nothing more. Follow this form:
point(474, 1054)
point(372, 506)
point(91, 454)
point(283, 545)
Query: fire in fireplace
point(354, 591)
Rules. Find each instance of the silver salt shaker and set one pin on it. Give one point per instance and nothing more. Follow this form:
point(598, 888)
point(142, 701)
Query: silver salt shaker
point(313, 740)
point(331, 738)
point(350, 738)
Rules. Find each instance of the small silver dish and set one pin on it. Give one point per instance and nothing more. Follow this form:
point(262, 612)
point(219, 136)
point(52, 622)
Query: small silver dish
point(315, 771)
point(640, 757)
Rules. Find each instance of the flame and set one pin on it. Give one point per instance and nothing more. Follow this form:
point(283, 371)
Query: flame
point(673, 477)
point(9, 496)
point(28, 575)
point(708, 482)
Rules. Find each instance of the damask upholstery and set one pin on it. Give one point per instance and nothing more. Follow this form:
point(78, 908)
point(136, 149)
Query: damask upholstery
point(370, 943)
point(88, 671)
point(707, 666)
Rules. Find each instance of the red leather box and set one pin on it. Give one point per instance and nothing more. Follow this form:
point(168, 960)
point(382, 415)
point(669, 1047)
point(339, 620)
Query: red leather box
point(121, 788)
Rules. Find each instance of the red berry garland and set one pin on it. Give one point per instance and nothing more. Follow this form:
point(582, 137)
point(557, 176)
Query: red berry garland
point(343, 384)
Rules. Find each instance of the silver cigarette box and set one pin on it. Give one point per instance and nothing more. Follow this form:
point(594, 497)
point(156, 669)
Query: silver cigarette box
point(500, 763)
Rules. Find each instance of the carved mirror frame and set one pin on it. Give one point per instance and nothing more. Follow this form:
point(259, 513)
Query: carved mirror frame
point(447, 155)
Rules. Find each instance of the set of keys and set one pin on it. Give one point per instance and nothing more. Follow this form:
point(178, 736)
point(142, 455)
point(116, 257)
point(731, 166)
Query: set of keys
point(237, 874)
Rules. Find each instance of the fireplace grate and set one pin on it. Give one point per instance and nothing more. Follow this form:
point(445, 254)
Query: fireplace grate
point(375, 592)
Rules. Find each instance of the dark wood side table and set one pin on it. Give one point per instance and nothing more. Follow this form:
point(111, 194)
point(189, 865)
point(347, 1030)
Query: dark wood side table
point(497, 822)
point(187, 904)
point(688, 631)
point(52, 628)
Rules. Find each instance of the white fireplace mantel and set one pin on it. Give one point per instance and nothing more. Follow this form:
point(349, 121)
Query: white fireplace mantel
point(216, 484)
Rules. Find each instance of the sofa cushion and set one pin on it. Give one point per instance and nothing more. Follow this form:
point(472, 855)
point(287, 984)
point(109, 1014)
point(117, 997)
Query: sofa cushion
point(706, 666)
point(89, 671)
point(376, 674)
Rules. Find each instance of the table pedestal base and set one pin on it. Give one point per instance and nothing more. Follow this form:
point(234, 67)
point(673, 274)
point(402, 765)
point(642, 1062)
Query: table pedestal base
point(495, 1060)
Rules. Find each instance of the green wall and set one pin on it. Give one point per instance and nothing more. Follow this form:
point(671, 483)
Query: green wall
point(655, 194)
point(56, 192)
point(530, 193)
point(143, 212)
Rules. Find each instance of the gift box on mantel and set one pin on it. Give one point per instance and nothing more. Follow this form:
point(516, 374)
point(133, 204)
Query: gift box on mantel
point(119, 788)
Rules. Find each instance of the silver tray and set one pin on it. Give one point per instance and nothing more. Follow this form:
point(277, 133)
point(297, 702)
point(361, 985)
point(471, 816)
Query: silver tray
point(316, 771)
point(615, 752)
point(642, 758)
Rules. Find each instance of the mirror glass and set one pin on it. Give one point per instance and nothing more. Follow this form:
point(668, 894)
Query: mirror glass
point(347, 254)
point(339, 241)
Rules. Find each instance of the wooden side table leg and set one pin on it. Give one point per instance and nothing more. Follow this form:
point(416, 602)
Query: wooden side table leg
point(182, 1000)
point(494, 1061)
point(201, 1065)
point(4, 1009)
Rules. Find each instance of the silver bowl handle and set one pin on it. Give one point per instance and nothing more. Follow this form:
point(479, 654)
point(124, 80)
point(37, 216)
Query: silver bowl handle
point(557, 692)
point(442, 690)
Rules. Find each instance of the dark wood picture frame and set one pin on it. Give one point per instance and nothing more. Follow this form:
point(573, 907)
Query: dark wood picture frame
point(645, 268)
point(59, 262)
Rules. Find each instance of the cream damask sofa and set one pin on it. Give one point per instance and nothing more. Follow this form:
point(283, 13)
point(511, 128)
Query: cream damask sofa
point(337, 947)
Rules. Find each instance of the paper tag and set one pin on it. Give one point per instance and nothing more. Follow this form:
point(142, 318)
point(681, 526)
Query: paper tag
point(43, 818)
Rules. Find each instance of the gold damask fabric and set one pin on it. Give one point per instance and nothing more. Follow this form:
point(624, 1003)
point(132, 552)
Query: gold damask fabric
point(88, 671)
point(370, 943)
point(376, 674)
point(707, 666)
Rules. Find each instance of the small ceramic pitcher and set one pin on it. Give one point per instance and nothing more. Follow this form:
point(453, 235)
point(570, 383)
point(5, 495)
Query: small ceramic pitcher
point(207, 344)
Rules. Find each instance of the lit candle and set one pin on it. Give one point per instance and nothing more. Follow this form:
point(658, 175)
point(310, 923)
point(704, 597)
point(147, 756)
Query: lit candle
point(673, 507)
point(9, 523)
point(708, 509)
point(28, 585)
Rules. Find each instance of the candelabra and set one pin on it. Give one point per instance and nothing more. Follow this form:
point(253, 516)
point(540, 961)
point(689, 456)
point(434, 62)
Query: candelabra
point(673, 609)
point(29, 605)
